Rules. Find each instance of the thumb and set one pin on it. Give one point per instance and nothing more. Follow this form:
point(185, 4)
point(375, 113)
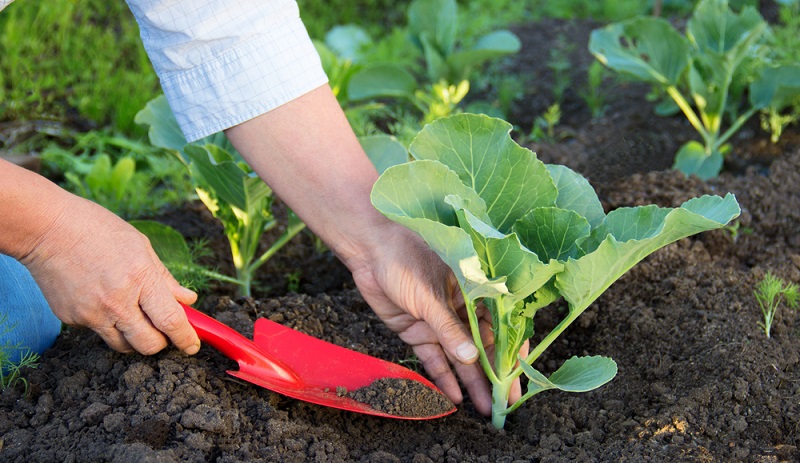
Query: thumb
point(454, 337)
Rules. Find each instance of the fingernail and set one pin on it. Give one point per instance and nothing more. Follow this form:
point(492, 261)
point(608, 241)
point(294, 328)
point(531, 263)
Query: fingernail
point(193, 349)
point(466, 351)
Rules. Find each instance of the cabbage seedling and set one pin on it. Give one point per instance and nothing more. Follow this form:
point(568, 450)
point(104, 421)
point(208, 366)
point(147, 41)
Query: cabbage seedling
point(519, 234)
point(227, 186)
point(719, 60)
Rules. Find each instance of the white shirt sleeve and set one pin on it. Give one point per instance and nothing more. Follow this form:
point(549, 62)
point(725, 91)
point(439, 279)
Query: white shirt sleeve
point(224, 62)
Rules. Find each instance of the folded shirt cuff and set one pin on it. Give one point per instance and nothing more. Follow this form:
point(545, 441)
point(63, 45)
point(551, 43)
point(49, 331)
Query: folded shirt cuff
point(257, 75)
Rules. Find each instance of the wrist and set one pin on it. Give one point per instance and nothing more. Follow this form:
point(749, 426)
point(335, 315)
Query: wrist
point(31, 204)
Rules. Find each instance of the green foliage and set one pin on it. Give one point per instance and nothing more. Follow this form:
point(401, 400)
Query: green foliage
point(10, 371)
point(769, 294)
point(519, 234)
point(603, 10)
point(433, 25)
point(594, 95)
point(180, 258)
point(544, 126)
point(320, 16)
point(125, 176)
point(720, 65)
point(228, 187)
point(57, 57)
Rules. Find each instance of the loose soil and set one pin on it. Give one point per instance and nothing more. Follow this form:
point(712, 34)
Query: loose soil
point(698, 380)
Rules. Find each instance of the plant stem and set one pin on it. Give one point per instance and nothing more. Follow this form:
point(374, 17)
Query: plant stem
point(689, 113)
point(474, 328)
point(291, 231)
point(500, 393)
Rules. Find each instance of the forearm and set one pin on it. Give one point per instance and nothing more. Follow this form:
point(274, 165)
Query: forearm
point(29, 205)
point(307, 152)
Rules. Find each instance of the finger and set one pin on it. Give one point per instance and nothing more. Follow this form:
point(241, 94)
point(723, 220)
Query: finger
point(438, 369)
point(182, 294)
point(477, 386)
point(140, 333)
point(115, 339)
point(453, 335)
point(168, 317)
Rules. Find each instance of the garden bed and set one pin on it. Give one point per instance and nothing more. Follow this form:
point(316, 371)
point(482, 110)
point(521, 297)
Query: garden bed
point(698, 380)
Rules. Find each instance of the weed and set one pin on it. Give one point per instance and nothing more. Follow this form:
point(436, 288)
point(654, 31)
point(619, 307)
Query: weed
point(10, 371)
point(770, 293)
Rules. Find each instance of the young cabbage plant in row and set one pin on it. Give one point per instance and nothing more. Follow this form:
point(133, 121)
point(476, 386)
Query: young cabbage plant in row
point(228, 187)
point(519, 235)
point(720, 59)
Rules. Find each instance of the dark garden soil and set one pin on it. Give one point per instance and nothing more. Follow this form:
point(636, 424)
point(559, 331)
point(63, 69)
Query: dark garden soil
point(698, 380)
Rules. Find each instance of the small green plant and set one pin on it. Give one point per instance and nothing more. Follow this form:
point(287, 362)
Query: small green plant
point(118, 173)
point(519, 235)
point(228, 187)
point(594, 95)
point(770, 292)
point(544, 126)
point(293, 281)
point(433, 25)
point(11, 371)
point(720, 65)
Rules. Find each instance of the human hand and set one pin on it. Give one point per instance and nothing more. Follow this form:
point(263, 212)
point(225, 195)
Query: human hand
point(97, 271)
point(416, 295)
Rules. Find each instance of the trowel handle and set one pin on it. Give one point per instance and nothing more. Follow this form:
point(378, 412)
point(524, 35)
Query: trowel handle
point(237, 347)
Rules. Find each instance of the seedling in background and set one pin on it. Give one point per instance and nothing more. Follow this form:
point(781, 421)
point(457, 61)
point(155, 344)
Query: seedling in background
point(769, 294)
point(594, 95)
point(11, 370)
point(720, 59)
point(228, 187)
point(519, 235)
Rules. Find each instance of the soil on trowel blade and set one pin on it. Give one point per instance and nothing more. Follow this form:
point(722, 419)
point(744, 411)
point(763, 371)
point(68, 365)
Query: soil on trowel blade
point(402, 397)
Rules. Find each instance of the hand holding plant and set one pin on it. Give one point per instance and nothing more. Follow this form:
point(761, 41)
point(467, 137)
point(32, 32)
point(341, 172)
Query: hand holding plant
point(518, 235)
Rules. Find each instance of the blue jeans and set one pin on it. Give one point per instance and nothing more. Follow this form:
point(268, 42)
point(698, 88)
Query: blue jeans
point(29, 323)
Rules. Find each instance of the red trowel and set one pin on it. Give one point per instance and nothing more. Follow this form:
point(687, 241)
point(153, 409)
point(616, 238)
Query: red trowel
point(300, 366)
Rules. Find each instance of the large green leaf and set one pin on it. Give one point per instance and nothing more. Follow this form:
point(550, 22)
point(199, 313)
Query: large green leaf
point(436, 19)
point(693, 159)
point(347, 41)
point(576, 194)
point(169, 245)
point(553, 233)
point(490, 46)
point(584, 279)
point(715, 28)
point(229, 182)
point(647, 48)
point(776, 87)
point(164, 131)
point(509, 178)
point(383, 151)
point(381, 80)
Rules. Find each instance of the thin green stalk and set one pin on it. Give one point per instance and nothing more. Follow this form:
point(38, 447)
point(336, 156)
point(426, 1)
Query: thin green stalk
point(737, 124)
point(474, 328)
point(291, 231)
point(689, 113)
